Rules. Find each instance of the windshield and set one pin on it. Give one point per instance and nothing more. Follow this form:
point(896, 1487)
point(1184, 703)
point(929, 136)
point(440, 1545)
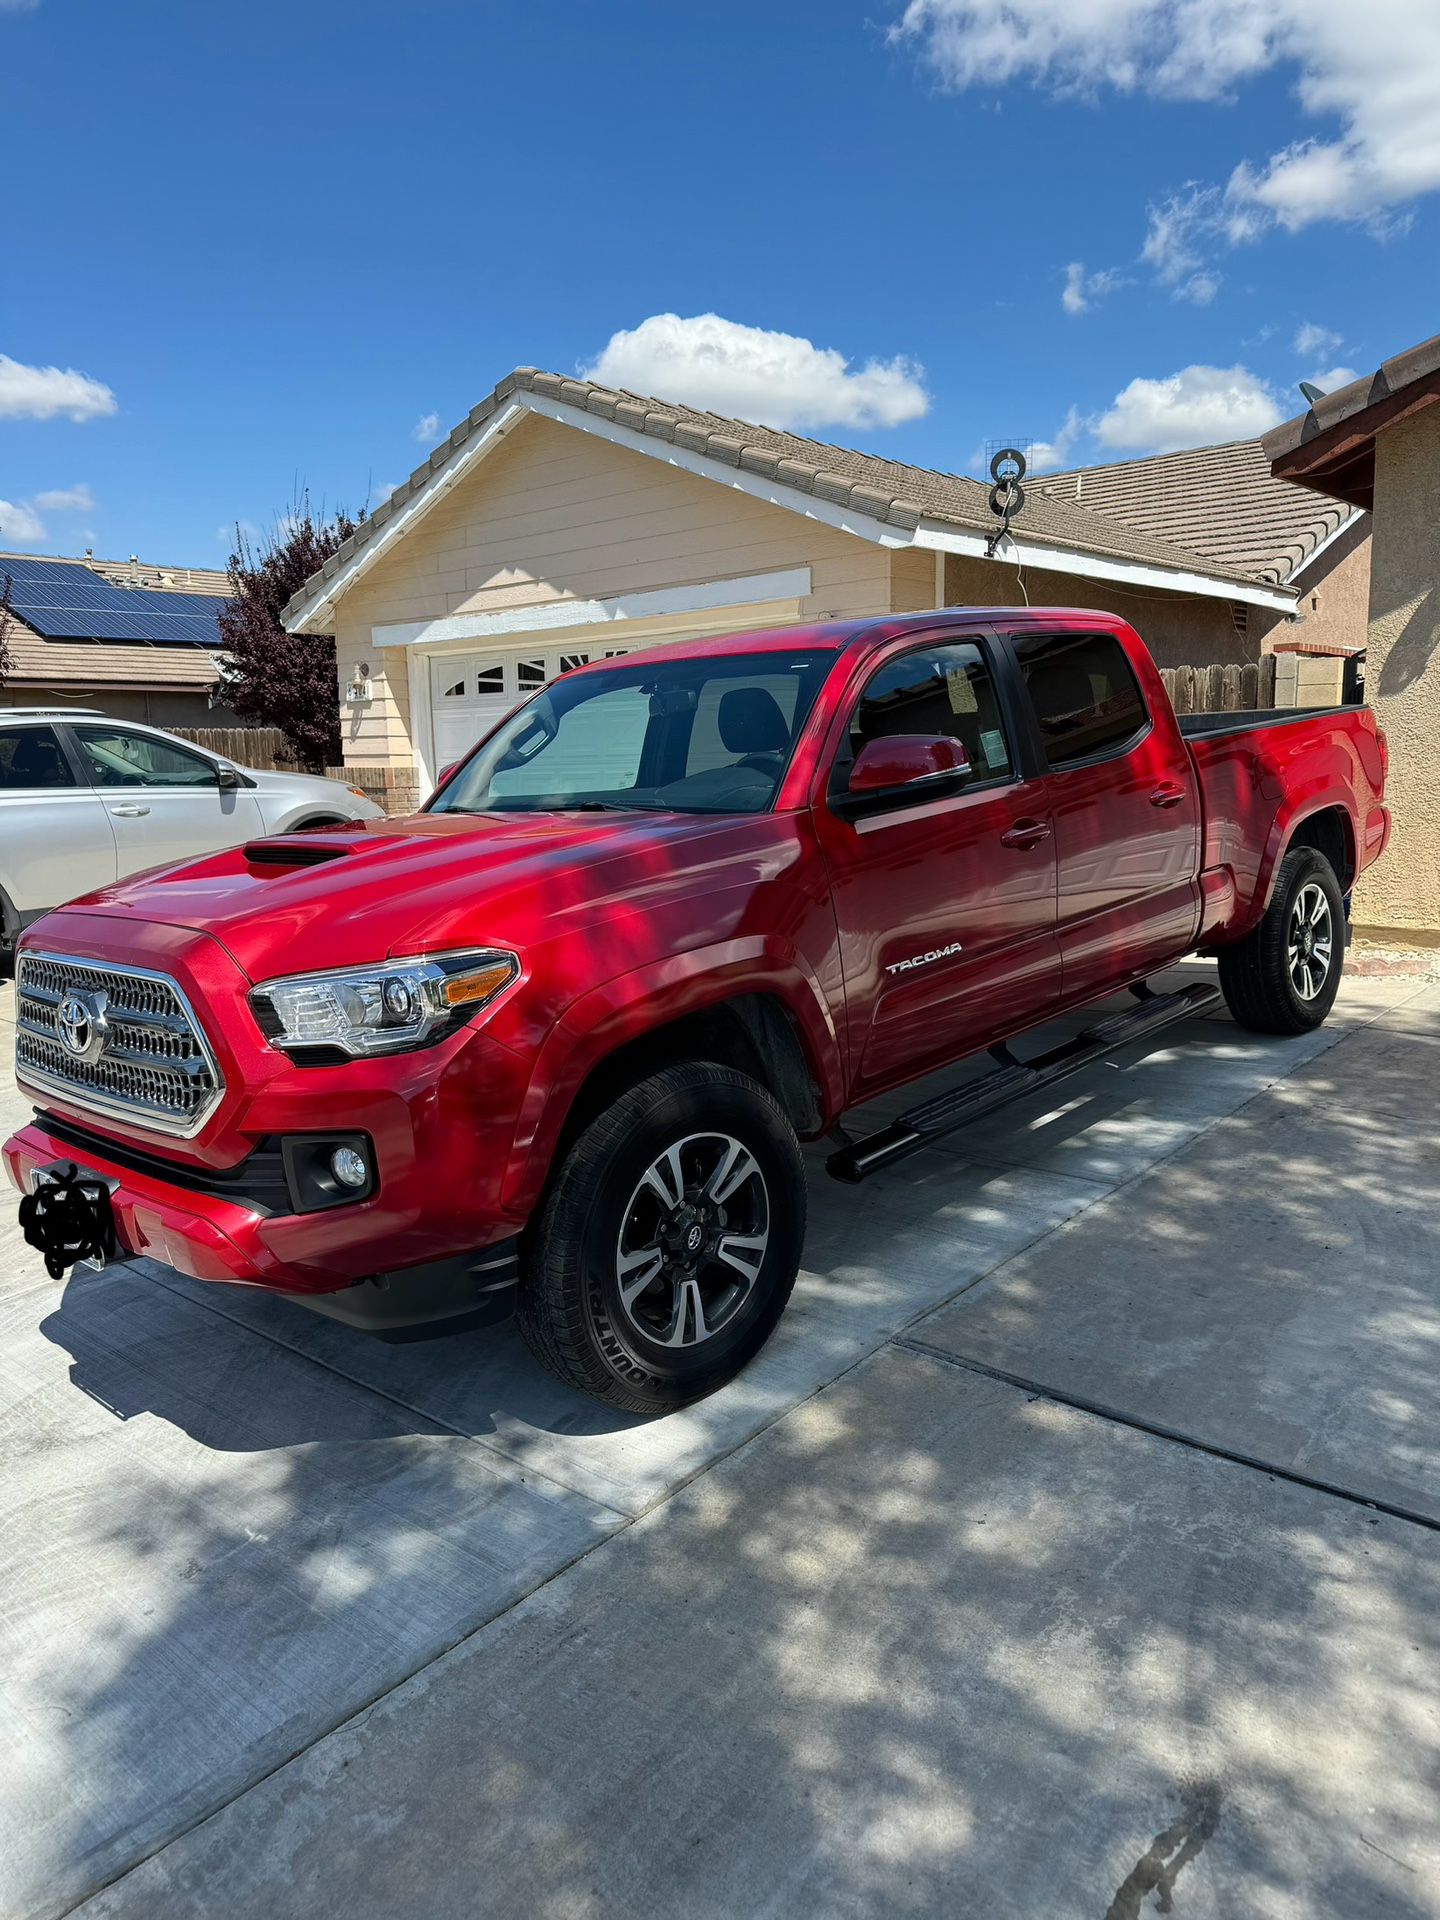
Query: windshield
point(683, 736)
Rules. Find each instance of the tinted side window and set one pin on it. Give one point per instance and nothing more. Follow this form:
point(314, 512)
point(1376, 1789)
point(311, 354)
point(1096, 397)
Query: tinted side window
point(1085, 696)
point(31, 757)
point(937, 690)
point(120, 759)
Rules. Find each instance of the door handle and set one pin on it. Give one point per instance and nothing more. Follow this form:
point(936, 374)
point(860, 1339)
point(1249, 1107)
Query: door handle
point(1169, 793)
point(128, 813)
point(1025, 834)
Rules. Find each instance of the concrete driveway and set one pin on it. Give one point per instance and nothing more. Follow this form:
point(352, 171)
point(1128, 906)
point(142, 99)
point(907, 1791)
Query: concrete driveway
point(1071, 1550)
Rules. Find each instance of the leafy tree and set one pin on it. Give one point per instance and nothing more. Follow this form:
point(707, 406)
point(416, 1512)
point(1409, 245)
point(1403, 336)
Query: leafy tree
point(7, 621)
point(269, 676)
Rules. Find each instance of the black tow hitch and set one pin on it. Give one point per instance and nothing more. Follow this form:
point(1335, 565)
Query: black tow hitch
point(67, 1217)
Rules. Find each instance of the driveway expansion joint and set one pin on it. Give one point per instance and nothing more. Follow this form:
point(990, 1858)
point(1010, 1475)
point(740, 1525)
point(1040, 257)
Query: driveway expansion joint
point(1103, 1410)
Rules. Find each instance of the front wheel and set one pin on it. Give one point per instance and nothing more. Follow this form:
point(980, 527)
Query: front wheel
point(670, 1241)
point(1283, 978)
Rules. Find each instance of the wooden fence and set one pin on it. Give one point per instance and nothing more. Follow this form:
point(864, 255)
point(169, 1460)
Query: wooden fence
point(1221, 689)
point(260, 747)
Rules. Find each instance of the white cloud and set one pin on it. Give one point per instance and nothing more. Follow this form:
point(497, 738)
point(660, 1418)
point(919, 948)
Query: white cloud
point(43, 393)
point(18, 6)
point(1196, 407)
point(66, 500)
point(426, 430)
point(20, 525)
point(1082, 288)
point(778, 378)
point(1312, 342)
point(1047, 455)
point(1374, 70)
point(1333, 378)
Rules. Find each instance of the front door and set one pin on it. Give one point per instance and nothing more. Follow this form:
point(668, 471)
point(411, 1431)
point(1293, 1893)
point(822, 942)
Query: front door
point(1127, 818)
point(945, 906)
point(163, 802)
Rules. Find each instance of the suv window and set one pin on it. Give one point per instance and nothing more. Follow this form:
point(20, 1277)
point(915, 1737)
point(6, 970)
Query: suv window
point(32, 757)
point(1085, 695)
point(937, 690)
point(117, 758)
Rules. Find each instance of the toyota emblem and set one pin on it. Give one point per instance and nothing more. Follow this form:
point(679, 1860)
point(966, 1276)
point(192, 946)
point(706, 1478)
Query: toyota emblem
point(81, 1024)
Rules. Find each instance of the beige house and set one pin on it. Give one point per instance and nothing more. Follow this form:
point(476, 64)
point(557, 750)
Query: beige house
point(1376, 444)
point(563, 522)
point(134, 640)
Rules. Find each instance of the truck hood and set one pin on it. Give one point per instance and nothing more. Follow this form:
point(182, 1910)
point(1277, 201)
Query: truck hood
point(353, 894)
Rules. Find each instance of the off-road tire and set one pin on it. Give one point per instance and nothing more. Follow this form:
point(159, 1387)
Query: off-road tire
point(569, 1309)
point(1255, 973)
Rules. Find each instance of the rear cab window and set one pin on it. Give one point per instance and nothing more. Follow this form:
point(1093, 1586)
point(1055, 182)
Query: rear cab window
point(1084, 694)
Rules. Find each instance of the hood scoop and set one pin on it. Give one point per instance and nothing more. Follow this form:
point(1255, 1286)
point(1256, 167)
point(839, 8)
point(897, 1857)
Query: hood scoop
point(294, 850)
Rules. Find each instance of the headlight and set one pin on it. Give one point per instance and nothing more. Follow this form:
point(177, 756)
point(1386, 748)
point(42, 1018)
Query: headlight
point(392, 1007)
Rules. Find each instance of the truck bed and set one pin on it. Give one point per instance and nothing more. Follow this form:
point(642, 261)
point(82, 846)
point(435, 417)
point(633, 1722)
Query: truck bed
point(1211, 726)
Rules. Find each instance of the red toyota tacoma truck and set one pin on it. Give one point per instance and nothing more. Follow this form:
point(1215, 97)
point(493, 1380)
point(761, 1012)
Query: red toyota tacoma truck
point(548, 1046)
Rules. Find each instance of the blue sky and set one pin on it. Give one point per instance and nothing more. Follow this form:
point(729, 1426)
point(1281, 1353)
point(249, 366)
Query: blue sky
point(248, 248)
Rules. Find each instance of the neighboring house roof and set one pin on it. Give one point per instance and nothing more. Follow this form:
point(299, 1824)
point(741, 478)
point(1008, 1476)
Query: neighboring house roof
point(74, 625)
point(68, 600)
point(55, 663)
point(158, 578)
point(1332, 447)
point(907, 505)
point(1221, 502)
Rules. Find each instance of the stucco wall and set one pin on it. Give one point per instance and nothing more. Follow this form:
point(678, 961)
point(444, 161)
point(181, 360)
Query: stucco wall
point(555, 514)
point(1402, 672)
point(1181, 630)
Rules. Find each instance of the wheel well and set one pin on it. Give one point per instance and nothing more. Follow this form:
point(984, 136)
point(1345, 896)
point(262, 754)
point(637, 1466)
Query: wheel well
point(754, 1033)
point(318, 820)
point(1330, 833)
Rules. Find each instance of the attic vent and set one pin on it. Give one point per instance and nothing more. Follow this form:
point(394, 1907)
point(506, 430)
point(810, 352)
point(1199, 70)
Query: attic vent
point(1240, 617)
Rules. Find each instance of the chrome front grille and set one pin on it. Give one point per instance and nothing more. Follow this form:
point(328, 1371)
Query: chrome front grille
point(146, 1058)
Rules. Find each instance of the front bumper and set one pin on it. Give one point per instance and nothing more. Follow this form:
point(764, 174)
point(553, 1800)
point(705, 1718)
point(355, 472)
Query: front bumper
point(215, 1238)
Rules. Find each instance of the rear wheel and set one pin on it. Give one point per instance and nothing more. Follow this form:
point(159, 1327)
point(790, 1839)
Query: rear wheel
point(670, 1241)
point(1284, 977)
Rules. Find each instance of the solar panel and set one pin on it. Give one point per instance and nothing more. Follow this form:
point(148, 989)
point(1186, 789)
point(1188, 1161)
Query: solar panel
point(64, 601)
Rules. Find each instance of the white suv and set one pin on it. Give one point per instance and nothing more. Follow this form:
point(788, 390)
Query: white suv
point(85, 800)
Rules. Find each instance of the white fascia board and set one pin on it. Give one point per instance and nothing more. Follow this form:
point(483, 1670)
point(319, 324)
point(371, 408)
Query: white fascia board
point(1096, 566)
point(703, 596)
point(1344, 527)
point(461, 462)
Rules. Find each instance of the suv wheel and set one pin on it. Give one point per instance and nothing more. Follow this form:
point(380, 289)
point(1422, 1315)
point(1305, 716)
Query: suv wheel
point(1284, 977)
point(670, 1241)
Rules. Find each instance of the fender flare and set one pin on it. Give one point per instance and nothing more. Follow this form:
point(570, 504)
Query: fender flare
point(604, 1019)
point(1322, 795)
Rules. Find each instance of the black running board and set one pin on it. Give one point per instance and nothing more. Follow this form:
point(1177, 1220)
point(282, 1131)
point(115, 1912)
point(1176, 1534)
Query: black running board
point(1014, 1078)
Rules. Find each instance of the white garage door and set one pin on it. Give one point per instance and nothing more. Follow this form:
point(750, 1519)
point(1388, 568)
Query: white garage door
point(471, 691)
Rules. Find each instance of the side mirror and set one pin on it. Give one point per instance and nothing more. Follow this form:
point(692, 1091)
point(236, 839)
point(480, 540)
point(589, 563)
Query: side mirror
point(445, 773)
point(227, 778)
point(907, 763)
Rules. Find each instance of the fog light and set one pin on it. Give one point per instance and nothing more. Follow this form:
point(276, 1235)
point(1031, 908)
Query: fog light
point(349, 1167)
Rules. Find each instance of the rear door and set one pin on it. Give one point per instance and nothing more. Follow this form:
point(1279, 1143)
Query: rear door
point(55, 837)
point(945, 906)
point(1121, 792)
point(164, 802)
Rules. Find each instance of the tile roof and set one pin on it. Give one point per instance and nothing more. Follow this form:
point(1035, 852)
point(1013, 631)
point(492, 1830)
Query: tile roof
point(1221, 502)
point(1389, 378)
point(886, 490)
point(152, 575)
point(105, 663)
